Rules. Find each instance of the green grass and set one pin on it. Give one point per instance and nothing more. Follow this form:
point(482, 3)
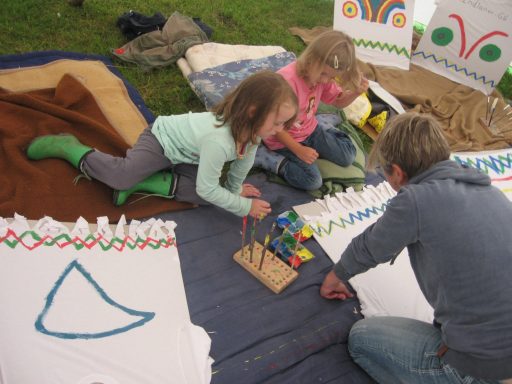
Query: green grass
point(31, 25)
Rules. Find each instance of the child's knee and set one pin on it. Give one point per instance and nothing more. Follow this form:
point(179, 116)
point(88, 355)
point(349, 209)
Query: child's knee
point(313, 182)
point(347, 149)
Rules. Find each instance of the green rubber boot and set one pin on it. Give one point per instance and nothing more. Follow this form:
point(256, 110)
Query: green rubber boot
point(65, 146)
point(158, 184)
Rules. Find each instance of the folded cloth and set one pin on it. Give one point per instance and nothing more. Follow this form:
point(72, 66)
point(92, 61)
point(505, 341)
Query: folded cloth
point(337, 178)
point(165, 47)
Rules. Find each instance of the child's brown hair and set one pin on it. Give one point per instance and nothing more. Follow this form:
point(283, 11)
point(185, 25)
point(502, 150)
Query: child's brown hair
point(335, 49)
point(249, 104)
point(413, 141)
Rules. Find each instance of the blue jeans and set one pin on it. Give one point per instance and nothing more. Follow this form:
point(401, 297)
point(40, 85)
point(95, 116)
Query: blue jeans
point(330, 143)
point(399, 350)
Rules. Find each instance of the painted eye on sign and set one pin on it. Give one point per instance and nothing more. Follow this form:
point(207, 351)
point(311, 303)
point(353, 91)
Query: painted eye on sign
point(381, 30)
point(443, 36)
point(382, 12)
point(468, 42)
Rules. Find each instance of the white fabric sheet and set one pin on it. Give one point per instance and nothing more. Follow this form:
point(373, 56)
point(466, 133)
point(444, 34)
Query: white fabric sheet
point(388, 289)
point(90, 307)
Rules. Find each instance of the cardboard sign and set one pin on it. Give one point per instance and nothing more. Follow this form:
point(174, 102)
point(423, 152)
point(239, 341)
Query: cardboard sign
point(468, 41)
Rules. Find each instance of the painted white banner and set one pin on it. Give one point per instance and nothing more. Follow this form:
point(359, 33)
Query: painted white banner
point(106, 306)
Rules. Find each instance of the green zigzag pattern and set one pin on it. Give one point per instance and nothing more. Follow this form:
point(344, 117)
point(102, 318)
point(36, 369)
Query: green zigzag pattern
point(499, 164)
point(382, 46)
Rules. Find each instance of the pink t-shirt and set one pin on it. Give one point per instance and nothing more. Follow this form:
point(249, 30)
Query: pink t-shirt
point(309, 99)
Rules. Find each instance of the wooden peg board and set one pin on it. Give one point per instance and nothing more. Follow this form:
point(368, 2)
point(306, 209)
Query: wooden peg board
point(275, 274)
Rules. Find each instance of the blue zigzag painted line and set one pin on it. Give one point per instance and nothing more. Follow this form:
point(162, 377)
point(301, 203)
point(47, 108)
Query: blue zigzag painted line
point(458, 69)
point(360, 216)
point(497, 164)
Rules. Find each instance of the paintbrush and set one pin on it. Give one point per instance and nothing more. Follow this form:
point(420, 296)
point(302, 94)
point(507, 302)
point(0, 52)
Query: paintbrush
point(244, 229)
point(493, 108)
point(294, 259)
point(487, 107)
point(253, 235)
point(280, 242)
point(265, 245)
point(508, 129)
point(502, 117)
point(503, 114)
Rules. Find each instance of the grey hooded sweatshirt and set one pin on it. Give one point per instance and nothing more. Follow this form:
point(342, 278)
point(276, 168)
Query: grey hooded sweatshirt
point(457, 229)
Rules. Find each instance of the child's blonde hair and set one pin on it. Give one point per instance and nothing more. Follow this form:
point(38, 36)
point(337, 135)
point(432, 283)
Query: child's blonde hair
point(413, 141)
point(246, 108)
point(335, 49)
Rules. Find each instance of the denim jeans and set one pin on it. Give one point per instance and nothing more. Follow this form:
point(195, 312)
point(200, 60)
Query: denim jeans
point(330, 143)
point(399, 350)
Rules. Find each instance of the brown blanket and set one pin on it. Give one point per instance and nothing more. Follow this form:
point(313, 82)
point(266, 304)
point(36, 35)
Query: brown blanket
point(108, 90)
point(456, 106)
point(38, 188)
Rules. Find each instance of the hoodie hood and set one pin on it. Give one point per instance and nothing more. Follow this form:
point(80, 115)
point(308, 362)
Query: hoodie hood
point(449, 169)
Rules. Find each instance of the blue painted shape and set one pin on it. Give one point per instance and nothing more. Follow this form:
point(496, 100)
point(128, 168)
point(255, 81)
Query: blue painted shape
point(39, 324)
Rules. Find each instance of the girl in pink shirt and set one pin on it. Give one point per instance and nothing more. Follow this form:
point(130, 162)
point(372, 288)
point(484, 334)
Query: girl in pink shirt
point(314, 77)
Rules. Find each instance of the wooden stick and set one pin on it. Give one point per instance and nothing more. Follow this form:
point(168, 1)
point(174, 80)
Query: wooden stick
point(244, 229)
point(487, 108)
point(279, 243)
point(253, 235)
point(493, 108)
point(296, 250)
point(265, 244)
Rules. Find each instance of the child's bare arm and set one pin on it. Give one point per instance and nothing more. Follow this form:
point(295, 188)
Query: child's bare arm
point(259, 208)
point(347, 97)
point(249, 190)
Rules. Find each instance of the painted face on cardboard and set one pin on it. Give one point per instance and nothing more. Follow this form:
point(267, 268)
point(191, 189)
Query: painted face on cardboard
point(275, 121)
